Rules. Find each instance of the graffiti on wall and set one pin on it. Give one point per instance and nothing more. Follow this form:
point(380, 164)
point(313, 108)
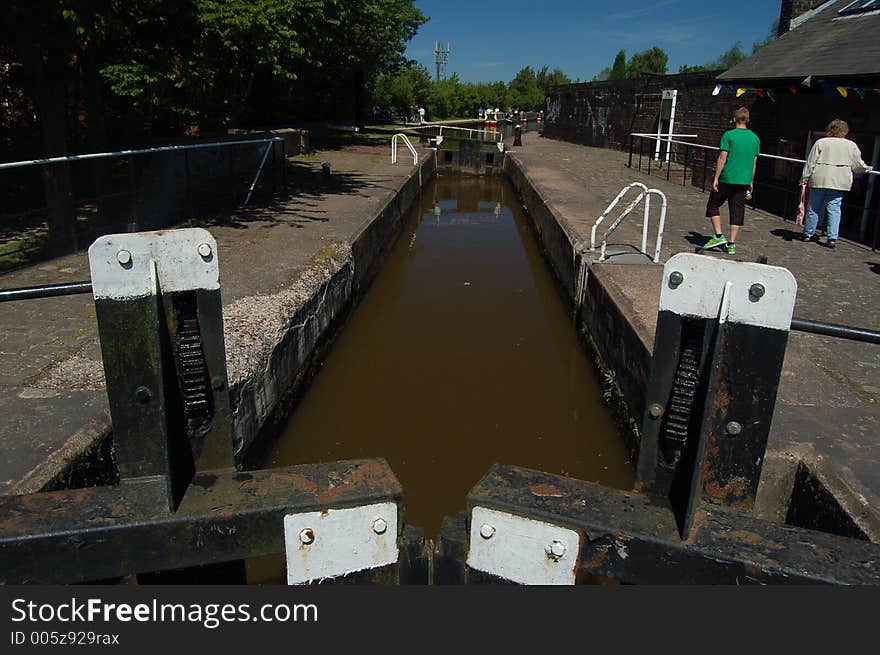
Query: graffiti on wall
point(554, 106)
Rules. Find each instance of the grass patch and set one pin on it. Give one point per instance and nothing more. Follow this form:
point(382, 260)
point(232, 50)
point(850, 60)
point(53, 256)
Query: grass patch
point(22, 251)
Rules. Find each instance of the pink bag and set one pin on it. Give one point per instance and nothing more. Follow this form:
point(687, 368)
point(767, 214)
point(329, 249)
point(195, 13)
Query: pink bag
point(805, 202)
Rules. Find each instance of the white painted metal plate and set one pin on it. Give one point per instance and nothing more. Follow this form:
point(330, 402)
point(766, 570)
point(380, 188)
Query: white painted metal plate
point(336, 542)
point(122, 265)
point(702, 289)
point(522, 550)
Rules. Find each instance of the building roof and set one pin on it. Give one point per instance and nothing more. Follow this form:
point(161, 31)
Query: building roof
point(823, 44)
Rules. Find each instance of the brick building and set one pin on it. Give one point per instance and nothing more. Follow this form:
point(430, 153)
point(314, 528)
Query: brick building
point(824, 65)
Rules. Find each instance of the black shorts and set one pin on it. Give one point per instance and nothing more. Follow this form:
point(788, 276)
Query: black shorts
point(735, 197)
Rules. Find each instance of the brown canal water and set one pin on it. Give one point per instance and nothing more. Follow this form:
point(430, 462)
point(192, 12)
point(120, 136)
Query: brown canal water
point(461, 354)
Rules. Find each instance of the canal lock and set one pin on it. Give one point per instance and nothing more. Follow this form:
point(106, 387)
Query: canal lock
point(538, 518)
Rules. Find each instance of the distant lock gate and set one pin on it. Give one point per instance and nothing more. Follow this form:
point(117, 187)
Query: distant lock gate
point(721, 337)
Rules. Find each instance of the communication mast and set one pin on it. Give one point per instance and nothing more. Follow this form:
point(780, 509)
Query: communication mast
point(441, 58)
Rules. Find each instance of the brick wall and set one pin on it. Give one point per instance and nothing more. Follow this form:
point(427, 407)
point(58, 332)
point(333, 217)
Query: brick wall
point(791, 9)
point(604, 114)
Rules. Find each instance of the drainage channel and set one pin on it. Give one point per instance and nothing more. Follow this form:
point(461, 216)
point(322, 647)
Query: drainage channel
point(460, 355)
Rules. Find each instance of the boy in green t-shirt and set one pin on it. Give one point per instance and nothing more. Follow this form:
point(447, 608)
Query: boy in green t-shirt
point(734, 176)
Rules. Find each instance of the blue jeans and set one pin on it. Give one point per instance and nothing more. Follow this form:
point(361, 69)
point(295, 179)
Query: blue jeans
point(820, 201)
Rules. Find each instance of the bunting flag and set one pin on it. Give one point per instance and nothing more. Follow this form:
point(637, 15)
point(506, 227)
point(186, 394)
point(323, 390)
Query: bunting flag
point(829, 90)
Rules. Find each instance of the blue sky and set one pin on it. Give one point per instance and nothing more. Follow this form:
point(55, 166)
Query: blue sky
point(493, 39)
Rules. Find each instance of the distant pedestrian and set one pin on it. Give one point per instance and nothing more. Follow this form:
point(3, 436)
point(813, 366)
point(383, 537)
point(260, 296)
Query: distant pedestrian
point(829, 173)
point(734, 179)
point(482, 112)
point(421, 115)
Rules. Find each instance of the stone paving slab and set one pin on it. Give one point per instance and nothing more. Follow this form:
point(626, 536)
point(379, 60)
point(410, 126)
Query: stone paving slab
point(828, 407)
point(52, 393)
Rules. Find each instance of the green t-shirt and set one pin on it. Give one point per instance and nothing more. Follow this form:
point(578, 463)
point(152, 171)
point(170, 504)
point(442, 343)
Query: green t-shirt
point(742, 146)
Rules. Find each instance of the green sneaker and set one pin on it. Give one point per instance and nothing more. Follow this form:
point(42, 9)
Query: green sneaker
point(731, 249)
point(714, 242)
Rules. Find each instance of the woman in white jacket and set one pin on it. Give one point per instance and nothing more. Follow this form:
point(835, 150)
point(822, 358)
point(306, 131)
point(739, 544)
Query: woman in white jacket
point(829, 172)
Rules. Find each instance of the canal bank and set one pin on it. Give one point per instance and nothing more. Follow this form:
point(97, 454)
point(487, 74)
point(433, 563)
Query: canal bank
point(288, 271)
point(823, 454)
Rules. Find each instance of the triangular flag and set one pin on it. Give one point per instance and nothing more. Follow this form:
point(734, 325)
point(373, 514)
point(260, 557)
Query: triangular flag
point(842, 91)
point(716, 90)
point(740, 92)
point(793, 90)
point(808, 80)
point(760, 92)
point(771, 95)
point(828, 91)
point(861, 93)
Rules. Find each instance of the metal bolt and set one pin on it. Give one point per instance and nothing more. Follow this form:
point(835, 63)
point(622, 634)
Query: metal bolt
point(307, 535)
point(675, 278)
point(123, 257)
point(380, 526)
point(487, 531)
point(143, 395)
point(655, 410)
point(205, 250)
point(555, 550)
point(733, 428)
point(757, 291)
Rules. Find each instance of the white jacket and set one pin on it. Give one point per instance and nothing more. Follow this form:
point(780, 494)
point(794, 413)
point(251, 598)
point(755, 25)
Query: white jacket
point(831, 164)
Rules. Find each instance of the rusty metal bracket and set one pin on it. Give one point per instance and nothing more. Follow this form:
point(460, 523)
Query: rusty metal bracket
point(722, 331)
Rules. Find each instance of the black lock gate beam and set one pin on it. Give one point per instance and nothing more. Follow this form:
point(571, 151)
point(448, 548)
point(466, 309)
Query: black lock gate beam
point(98, 533)
point(180, 502)
point(633, 537)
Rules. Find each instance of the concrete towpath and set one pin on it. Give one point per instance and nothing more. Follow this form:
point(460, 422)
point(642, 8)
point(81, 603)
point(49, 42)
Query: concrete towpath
point(52, 395)
point(828, 407)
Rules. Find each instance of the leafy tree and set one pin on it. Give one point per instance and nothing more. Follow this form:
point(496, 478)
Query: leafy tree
point(547, 78)
point(619, 69)
point(400, 90)
point(654, 60)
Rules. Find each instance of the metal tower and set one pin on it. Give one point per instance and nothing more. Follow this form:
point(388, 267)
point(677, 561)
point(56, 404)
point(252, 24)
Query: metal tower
point(441, 58)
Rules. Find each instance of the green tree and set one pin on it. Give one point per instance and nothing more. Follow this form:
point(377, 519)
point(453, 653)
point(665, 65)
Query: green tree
point(619, 69)
point(547, 78)
point(654, 60)
point(402, 89)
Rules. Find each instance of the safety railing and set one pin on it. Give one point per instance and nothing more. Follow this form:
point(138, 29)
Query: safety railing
point(783, 185)
point(409, 145)
point(645, 194)
point(51, 206)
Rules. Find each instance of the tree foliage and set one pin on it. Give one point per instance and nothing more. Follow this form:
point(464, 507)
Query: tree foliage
point(653, 60)
point(399, 91)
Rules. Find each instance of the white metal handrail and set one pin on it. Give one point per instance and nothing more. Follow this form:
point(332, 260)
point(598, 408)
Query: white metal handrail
point(496, 136)
point(408, 144)
point(645, 194)
point(126, 153)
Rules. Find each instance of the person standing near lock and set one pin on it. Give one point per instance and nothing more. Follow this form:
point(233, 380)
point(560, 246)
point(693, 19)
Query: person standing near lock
point(734, 179)
point(829, 173)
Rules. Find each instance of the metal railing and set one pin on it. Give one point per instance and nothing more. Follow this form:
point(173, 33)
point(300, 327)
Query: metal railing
point(645, 194)
point(787, 190)
point(493, 136)
point(87, 195)
point(408, 144)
